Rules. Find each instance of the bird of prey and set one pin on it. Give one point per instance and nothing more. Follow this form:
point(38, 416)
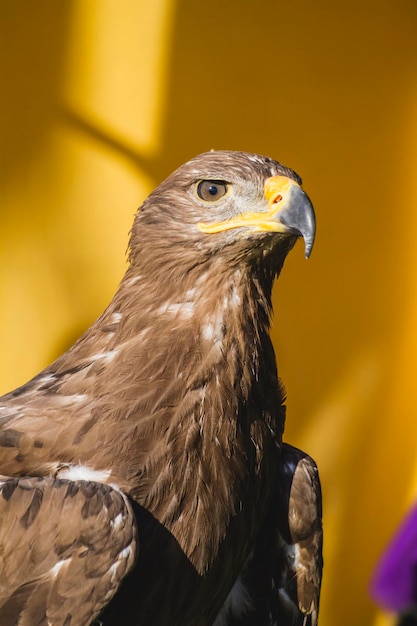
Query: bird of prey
point(143, 475)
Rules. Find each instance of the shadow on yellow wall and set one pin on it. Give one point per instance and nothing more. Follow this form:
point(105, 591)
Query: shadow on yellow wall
point(100, 102)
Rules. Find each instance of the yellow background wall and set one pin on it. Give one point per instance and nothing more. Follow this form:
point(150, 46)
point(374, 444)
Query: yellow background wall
point(100, 100)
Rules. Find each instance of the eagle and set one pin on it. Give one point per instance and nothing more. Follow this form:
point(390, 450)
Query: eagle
point(143, 475)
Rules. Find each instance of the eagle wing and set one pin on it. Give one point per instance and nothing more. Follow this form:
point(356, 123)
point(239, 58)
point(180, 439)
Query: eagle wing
point(54, 534)
point(298, 538)
point(280, 585)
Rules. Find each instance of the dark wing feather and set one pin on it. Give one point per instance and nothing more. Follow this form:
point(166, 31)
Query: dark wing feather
point(299, 537)
point(64, 545)
point(280, 585)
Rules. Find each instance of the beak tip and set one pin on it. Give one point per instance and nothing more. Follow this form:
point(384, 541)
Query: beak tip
point(308, 247)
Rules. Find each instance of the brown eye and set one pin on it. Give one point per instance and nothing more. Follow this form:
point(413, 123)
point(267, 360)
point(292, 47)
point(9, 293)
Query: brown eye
point(211, 190)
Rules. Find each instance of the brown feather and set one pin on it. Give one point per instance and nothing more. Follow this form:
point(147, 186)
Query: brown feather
point(56, 535)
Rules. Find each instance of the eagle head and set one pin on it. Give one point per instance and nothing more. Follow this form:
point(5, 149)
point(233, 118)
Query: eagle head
point(235, 203)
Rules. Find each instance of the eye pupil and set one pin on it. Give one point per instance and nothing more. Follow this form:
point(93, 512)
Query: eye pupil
point(211, 190)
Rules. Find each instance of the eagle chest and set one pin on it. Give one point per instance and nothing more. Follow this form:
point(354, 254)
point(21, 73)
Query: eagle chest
point(197, 531)
point(212, 443)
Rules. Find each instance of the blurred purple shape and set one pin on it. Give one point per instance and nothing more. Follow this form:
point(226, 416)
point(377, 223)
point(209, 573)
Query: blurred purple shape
point(394, 584)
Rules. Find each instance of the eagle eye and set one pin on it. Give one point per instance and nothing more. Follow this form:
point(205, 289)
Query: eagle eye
point(212, 190)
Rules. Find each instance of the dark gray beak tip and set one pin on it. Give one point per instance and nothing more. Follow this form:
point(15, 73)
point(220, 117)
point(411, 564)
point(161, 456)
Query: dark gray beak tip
point(300, 218)
point(308, 246)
